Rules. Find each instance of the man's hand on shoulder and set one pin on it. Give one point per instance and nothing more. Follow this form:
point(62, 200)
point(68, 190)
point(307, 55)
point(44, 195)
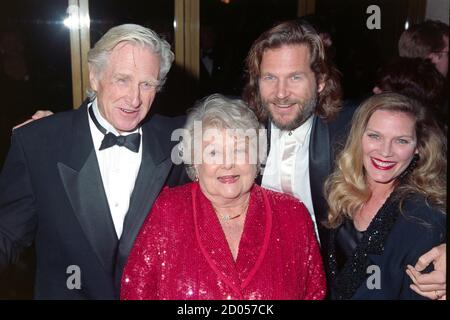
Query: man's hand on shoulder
point(430, 285)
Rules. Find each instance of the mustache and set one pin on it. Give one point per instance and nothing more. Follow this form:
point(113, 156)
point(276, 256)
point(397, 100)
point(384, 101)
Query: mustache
point(285, 101)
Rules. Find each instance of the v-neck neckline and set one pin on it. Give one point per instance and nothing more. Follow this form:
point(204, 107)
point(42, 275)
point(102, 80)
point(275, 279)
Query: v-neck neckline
point(214, 245)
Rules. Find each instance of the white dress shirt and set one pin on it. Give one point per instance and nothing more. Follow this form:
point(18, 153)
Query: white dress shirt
point(119, 168)
point(300, 184)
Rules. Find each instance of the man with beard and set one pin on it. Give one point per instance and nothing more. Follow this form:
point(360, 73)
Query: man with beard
point(295, 91)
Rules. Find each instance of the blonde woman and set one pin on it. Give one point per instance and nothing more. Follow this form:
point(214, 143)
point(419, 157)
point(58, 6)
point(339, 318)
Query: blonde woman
point(387, 199)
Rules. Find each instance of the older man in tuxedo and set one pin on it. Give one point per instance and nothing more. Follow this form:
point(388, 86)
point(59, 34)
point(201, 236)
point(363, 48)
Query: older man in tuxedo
point(80, 183)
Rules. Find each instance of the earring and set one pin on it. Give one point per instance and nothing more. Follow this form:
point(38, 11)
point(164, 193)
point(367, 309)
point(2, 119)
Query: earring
point(196, 176)
point(194, 169)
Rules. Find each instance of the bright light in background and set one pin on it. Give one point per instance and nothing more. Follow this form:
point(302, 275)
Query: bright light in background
point(74, 21)
point(71, 22)
point(225, 1)
point(406, 25)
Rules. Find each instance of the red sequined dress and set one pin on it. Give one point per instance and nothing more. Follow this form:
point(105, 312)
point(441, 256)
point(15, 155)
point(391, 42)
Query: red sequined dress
point(181, 251)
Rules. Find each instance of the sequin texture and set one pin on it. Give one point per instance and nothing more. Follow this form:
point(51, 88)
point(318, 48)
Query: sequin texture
point(181, 255)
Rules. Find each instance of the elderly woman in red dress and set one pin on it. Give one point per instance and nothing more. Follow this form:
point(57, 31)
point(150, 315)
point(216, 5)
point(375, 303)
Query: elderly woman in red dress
point(222, 236)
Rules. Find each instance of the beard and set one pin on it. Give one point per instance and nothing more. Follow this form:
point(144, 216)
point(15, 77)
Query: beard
point(305, 110)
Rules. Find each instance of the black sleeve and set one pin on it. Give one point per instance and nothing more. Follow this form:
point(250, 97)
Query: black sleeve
point(17, 205)
point(426, 231)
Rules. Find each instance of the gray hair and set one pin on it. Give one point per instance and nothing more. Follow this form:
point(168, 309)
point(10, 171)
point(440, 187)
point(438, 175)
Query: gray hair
point(99, 54)
point(219, 112)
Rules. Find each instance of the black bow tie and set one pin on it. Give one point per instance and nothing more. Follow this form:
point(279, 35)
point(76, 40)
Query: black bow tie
point(131, 141)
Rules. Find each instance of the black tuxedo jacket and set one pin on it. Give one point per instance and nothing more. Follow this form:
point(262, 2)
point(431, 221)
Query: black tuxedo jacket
point(51, 192)
point(327, 139)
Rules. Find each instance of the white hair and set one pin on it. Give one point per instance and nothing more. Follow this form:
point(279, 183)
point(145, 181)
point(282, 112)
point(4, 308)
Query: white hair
point(220, 112)
point(99, 54)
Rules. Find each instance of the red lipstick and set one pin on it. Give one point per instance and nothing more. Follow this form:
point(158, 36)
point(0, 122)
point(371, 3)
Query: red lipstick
point(382, 165)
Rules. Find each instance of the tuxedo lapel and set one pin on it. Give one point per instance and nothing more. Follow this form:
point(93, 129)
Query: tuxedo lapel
point(319, 164)
point(80, 174)
point(153, 172)
point(259, 177)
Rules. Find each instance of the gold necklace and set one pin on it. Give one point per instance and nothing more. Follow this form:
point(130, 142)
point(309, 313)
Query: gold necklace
point(227, 217)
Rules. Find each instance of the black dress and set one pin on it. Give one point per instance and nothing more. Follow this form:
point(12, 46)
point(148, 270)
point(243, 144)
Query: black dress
point(372, 264)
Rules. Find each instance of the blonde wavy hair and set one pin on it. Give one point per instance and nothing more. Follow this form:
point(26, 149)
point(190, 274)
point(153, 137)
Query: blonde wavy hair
point(346, 189)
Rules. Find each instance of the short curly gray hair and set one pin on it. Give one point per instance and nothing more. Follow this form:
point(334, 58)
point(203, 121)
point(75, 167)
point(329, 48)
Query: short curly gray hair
point(99, 54)
point(218, 111)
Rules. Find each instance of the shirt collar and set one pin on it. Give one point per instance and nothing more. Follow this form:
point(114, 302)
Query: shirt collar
point(300, 133)
point(105, 124)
